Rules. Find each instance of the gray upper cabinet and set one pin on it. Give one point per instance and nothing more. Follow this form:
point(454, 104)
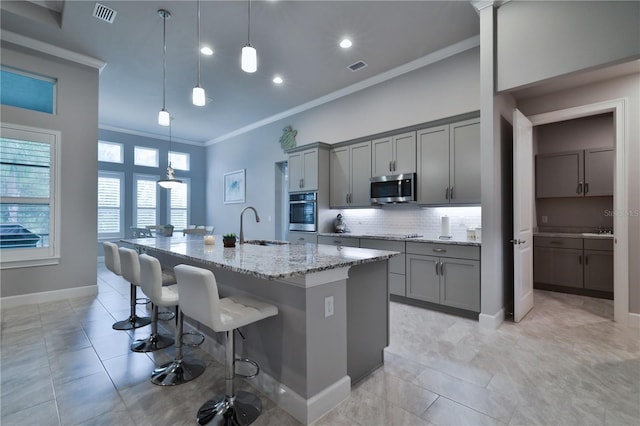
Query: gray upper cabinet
point(583, 173)
point(303, 170)
point(448, 164)
point(350, 171)
point(394, 154)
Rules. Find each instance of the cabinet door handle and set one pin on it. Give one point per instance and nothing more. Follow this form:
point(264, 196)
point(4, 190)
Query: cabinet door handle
point(337, 242)
point(442, 269)
point(395, 167)
point(586, 260)
point(586, 188)
point(446, 194)
point(390, 165)
point(437, 264)
point(580, 260)
point(451, 194)
point(301, 239)
point(579, 188)
point(439, 250)
point(556, 243)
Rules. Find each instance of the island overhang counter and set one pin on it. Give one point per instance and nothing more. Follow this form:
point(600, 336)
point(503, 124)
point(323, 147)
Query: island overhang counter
point(333, 320)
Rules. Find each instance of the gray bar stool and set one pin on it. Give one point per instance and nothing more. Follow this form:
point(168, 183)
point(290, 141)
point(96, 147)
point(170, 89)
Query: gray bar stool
point(199, 299)
point(154, 285)
point(113, 263)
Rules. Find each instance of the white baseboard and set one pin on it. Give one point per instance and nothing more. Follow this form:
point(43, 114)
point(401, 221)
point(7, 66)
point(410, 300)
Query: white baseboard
point(48, 296)
point(491, 322)
point(634, 320)
point(304, 410)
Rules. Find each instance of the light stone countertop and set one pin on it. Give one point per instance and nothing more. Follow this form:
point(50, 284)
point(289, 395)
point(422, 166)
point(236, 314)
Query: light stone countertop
point(572, 235)
point(268, 262)
point(400, 237)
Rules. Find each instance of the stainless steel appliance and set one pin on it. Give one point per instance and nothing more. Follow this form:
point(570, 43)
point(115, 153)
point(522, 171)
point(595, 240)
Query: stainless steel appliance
point(394, 189)
point(303, 211)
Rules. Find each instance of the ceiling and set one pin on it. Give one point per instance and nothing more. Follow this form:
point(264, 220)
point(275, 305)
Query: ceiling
point(297, 40)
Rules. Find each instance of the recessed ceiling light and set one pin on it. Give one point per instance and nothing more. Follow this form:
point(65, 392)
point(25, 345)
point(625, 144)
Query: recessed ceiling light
point(346, 43)
point(278, 80)
point(206, 50)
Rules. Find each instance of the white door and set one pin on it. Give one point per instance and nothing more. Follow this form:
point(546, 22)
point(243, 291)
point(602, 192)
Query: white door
point(522, 215)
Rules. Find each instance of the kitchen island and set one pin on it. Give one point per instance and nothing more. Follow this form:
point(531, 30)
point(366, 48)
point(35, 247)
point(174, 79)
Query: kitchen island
point(333, 320)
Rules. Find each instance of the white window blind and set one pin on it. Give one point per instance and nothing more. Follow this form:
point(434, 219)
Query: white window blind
point(110, 201)
point(179, 205)
point(28, 188)
point(146, 200)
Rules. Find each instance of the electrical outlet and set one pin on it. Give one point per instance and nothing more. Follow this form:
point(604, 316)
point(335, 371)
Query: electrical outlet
point(328, 306)
point(545, 219)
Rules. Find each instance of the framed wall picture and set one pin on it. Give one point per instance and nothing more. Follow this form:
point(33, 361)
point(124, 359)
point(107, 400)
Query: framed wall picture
point(233, 191)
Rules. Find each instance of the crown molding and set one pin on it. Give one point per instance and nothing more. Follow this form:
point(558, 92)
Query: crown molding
point(52, 50)
point(429, 59)
point(147, 135)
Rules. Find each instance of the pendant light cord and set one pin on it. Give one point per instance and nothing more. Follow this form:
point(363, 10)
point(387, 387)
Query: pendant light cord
point(164, 61)
point(249, 26)
point(198, 43)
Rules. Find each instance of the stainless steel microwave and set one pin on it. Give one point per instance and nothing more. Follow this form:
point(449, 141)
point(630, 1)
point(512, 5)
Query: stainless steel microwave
point(394, 189)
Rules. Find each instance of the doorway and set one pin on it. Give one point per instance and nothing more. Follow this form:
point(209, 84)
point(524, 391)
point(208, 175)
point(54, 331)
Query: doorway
point(281, 200)
point(620, 221)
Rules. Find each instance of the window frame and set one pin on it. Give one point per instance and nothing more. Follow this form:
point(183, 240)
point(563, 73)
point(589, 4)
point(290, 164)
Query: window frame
point(38, 256)
point(186, 181)
point(137, 177)
point(121, 177)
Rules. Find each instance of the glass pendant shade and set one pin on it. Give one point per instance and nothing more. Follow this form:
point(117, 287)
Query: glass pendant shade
point(198, 96)
point(170, 182)
point(164, 119)
point(249, 62)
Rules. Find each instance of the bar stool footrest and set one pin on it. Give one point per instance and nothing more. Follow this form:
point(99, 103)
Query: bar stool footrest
point(192, 333)
point(166, 315)
point(143, 301)
point(248, 361)
point(241, 409)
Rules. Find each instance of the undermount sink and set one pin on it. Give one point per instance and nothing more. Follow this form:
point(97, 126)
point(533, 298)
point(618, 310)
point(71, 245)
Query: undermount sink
point(595, 234)
point(266, 243)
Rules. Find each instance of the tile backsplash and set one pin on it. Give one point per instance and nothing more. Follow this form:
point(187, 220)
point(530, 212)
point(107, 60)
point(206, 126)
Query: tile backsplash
point(409, 219)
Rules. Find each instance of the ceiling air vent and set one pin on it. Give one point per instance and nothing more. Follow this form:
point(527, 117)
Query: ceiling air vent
point(104, 13)
point(357, 66)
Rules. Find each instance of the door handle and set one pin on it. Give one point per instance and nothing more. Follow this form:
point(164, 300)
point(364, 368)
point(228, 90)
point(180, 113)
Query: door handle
point(579, 188)
point(437, 273)
point(586, 260)
point(390, 165)
point(395, 167)
point(517, 242)
point(446, 194)
point(586, 188)
point(442, 269)
point(451, 194)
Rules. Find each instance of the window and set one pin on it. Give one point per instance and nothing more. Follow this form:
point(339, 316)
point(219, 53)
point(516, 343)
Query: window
point(179, 160)
point(179, 205)
point(110, 201)
point(29, 188)
point(145, 156)
point(28, 91)
point(145, 192)
point(110, 152)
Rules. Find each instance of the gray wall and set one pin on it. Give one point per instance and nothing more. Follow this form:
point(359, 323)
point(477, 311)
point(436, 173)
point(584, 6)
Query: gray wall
point(196, 174)
point(627, 87)
point(77, 120)
point(440, 90)
point(538, 40)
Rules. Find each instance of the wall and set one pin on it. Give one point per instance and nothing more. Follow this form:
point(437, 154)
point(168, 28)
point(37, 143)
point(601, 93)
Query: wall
point(77, 120)
point(440, 90)
point(538, 40)
point(628, 88)
point(196, 174)
point(581, 133)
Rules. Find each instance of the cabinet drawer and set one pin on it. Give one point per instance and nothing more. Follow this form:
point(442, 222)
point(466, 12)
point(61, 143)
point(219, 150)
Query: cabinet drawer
point(303, 238)
point(339, 241)
point(598, 244)
point(444, 250)
point(554, 242)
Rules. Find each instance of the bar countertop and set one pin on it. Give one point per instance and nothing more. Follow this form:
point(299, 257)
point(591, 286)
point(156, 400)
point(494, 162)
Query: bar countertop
point(275, 260)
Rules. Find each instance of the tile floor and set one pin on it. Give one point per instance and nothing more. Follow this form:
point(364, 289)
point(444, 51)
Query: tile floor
point(567, 363)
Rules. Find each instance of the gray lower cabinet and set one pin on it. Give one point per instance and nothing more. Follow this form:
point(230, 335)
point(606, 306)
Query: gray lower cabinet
point(339, 241)
point(573, 262)
point(302, 237)
point(396, 263)
point(445, 274)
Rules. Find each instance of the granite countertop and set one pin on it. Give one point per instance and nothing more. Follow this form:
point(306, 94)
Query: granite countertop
point(278, 260)
point(401, 237)
point(573, 235)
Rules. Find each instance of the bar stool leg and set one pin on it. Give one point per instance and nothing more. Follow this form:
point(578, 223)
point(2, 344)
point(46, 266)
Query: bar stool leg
point(233, 408)
point(179, 370)
point(133, 321)
point(155, 341)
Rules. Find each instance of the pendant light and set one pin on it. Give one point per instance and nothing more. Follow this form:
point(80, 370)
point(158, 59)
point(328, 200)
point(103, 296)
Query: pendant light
point(164, 119)
point(198, 95)
point(249, 59)
point(170, 182)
